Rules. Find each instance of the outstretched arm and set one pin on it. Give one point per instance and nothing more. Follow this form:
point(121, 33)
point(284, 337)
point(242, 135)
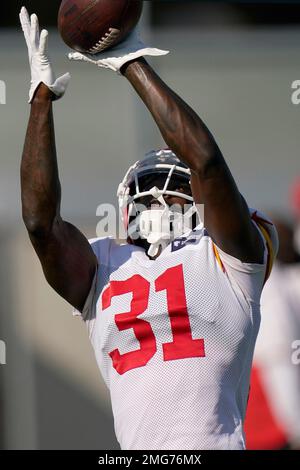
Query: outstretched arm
point(67, 258)
point(226, 213)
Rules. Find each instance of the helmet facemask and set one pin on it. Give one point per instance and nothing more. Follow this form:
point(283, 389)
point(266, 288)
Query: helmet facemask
point(146, 214)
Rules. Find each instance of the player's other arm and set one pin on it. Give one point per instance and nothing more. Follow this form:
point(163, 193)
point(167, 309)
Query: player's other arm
point(226, 213)
point(67, 258)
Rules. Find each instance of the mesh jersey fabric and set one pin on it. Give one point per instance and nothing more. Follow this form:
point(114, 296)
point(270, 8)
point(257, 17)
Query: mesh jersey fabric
point(192, 393)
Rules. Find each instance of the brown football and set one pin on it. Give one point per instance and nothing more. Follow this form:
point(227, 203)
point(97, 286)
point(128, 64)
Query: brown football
point(92, 26)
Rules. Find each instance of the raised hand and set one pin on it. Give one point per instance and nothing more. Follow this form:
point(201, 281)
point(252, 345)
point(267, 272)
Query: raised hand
point(41, 68)
point(114, 58)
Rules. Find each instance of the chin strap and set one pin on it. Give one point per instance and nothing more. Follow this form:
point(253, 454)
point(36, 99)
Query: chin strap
point(154, 248)
point(154, 225)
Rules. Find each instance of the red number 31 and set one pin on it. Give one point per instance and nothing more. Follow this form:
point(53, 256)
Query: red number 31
point(182, 346)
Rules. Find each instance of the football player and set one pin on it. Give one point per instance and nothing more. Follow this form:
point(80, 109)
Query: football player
point(173, 321)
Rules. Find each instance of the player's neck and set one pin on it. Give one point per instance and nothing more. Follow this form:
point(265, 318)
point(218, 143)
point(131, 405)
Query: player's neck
point(145, 245)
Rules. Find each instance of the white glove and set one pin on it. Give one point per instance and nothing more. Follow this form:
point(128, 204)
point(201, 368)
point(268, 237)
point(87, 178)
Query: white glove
point(41, 69)
point(114, 58)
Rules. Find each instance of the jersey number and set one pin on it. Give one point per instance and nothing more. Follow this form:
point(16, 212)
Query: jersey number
point(182, 346)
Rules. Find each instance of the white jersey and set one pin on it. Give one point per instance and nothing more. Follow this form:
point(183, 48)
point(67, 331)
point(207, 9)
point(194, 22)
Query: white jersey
point(174, 339)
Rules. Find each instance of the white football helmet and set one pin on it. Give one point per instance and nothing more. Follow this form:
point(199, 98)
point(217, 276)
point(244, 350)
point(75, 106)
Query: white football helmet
point(158, 225)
